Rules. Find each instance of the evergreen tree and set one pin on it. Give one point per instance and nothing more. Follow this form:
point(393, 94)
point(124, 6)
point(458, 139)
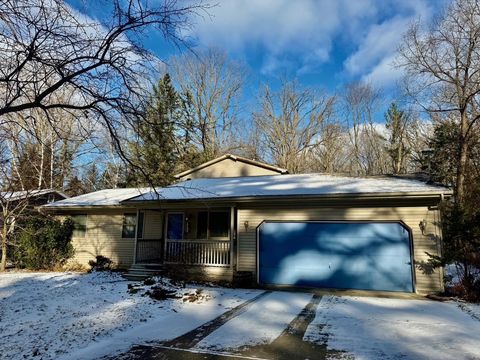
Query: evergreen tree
point(440, 159)
point(155, 150)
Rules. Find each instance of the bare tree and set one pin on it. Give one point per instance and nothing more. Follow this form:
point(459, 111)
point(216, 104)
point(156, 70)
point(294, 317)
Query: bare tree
point(289, 123)
point(42, 155)
point(12, 208)
point(12, 205)
point(442, 64)
point(360, 102)
point(212, 86)
point(331, 156)
point(48, 47)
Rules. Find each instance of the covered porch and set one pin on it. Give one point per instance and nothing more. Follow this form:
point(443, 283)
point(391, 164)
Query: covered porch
point(201, 237)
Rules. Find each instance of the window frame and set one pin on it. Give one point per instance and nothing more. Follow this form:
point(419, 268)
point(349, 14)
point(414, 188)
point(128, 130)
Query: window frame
point(209, 236)
point(124, 224)
point(76, 224)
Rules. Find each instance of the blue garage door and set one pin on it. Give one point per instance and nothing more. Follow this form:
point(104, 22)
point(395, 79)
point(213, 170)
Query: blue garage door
point(343, 255)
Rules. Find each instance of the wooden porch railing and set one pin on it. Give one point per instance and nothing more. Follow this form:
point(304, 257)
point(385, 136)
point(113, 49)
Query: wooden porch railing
point(198, 252)
point(149, 250)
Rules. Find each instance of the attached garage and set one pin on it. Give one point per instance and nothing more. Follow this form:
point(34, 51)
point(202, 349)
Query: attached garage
point(344, 255)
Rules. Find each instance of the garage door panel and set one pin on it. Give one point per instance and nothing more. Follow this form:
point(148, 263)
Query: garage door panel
point(352, 255)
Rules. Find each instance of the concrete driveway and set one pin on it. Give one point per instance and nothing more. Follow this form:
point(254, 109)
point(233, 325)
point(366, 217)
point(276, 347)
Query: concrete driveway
point(293, 325)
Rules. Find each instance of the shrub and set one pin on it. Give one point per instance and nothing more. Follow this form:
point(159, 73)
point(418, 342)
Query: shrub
point(44, 243)
point(101, 263)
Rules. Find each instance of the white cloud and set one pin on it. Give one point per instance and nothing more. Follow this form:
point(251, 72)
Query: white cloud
point(384, 73)
point(296, 33)
point(375, 55)
point(299, 35)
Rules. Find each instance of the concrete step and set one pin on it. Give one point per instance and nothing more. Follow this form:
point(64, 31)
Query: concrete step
point(147, 266)
point(139, 272)
point(132, 277)
point(146, 270)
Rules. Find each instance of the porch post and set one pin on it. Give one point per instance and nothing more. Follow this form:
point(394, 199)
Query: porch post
point(233, 236)
point(136, 239)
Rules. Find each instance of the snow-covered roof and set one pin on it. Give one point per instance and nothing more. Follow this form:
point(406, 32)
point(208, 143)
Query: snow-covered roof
point(303, 185)
point(107, 197)
point(19, 195)
point(287, 185)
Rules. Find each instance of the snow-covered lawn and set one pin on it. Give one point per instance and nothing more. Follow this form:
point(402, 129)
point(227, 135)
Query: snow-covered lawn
point(75, 316)
point(86, 316)
point(375, 328)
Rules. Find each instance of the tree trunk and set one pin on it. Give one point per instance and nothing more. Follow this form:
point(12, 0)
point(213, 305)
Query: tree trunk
point(42, 161)
point(3, 261)
point(398, 165)
point(462, 162)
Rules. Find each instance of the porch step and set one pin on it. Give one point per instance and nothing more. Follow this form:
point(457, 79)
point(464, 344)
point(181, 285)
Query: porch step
point(139, 272)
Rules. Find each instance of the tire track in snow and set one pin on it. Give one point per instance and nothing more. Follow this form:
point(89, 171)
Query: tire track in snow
point(262, 323)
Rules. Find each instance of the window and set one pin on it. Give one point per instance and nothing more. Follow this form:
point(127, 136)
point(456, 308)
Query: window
point(175, 226)
point(129, 225)
point(218, 225)
point(213, 225)
point(79, 225)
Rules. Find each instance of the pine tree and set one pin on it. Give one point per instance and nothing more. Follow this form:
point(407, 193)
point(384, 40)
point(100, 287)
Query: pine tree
point(156, 150)
point(440, 159)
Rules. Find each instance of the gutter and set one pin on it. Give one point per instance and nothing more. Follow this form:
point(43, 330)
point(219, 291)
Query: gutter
point(46, 209)
point(243, 199)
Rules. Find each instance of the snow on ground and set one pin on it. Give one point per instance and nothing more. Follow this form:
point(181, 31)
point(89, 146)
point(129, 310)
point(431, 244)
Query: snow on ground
point(262, 323)
point(83, 316)
point(472, 309)
point(376, 328)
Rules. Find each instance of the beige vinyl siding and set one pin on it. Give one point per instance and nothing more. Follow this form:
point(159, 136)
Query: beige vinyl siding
point(425, 280)
point(104, 236)
point(229, 168)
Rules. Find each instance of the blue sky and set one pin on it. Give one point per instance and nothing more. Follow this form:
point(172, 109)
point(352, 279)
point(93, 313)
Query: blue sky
point(322, 43)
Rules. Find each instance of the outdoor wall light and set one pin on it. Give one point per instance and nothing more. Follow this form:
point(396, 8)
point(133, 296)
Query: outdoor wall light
point(187, 224)
point(423, 226)
point(246, 225)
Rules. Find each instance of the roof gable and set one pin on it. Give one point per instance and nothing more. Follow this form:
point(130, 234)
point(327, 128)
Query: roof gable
point(230, 165)
point(28, 194)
